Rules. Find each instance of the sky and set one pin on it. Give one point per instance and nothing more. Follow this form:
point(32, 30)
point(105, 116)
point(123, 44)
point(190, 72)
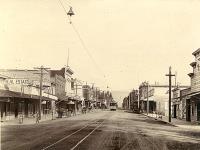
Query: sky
point(125, 42)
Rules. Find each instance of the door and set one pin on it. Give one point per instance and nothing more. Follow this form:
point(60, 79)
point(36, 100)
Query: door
point(198, 111)
point(188, 110)
point(16, 107)
point(174, 111)
point(2, 109)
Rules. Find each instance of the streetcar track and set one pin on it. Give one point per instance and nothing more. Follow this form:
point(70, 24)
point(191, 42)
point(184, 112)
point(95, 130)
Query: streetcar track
point(77, 131)
point(143, 135)
point(86, 136)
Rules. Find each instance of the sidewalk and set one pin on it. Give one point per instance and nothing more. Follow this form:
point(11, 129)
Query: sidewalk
point(44, 118)
point(175, 122)
point(27, 121)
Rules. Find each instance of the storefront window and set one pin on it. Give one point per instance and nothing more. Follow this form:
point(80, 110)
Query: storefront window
point(12, 108)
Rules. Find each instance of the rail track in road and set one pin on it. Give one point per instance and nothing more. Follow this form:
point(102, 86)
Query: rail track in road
point(73, 140)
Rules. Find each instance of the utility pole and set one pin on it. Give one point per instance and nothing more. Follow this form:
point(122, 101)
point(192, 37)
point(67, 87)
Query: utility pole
point(42, 68)
point(76, 88)
point(170, 86)
point(75, 96)
point(138, 98)
point(147, 98)
point(96, 94)
point(77, 85)
point(129, 101)
point(92, 94)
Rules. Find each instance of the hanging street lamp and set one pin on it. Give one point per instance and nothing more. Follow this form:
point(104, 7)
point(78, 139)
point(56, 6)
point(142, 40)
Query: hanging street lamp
point(70, 14)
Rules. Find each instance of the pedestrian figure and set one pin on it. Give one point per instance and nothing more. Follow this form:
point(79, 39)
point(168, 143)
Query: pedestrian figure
point(84, 110)
point(21, 118)
point(70, 112)
point(52, 114)
point(37, 118)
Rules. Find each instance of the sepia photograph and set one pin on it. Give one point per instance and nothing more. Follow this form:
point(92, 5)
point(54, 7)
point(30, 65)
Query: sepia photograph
point(100, 74)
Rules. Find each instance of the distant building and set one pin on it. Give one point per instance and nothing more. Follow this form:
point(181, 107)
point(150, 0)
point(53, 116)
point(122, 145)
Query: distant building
point(133, 96)
point(125, 103)
point(147, 93)
point(78, 88)
point(102, 99)
point(131, 101)
point(68, 89)
point(89, 95)
point(59, 82)
point(67, 74)
point(158, 97)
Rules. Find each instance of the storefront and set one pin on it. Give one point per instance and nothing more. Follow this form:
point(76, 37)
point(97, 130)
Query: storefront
point(7, 108)
point(195, 108)
point(13, 104)
point(64, 106)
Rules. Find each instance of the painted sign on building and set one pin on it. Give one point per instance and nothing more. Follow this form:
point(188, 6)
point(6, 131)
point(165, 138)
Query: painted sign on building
point(17, 81)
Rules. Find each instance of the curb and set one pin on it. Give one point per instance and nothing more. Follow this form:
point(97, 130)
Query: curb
point(160, 120)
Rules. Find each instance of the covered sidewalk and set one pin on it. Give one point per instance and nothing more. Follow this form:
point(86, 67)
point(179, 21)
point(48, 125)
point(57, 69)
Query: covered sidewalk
point(15, 104)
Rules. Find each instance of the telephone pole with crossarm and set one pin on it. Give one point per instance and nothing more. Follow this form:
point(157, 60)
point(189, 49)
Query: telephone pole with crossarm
point(170, 86)
point(42, 68)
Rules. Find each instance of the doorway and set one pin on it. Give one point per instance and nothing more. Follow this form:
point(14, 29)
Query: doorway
point(174, 111)
point(198, 111)
point(188, 110)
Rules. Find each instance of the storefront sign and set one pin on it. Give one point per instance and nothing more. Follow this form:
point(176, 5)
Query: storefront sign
point(18, 81)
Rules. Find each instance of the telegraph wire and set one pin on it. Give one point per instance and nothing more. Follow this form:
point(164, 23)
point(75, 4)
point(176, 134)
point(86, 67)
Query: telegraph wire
point(86, 49)
point(88, 52)
point(63, 5)
point(82, 41)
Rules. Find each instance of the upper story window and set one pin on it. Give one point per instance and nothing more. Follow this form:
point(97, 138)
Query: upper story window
point(198, 67)
point(72, 85)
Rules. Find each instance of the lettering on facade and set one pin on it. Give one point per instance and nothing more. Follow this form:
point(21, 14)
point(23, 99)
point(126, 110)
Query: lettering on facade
point(18, 81)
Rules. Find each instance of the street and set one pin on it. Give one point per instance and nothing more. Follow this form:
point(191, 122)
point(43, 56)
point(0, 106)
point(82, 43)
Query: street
point(101, 130)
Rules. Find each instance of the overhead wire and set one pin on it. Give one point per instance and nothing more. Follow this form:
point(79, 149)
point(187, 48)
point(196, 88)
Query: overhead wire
point(87, 51)
point(82, 41)
point(63, 5)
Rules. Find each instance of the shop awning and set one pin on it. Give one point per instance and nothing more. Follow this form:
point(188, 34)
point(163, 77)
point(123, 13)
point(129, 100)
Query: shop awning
point(4, 99)
point(63, 98)
point(189, 94)
point(6, 93)
point(75, 98)
point(10, 94)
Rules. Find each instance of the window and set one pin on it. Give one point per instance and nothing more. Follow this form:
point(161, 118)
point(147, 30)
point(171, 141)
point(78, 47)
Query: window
point(72, 85)
point(198, 67)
